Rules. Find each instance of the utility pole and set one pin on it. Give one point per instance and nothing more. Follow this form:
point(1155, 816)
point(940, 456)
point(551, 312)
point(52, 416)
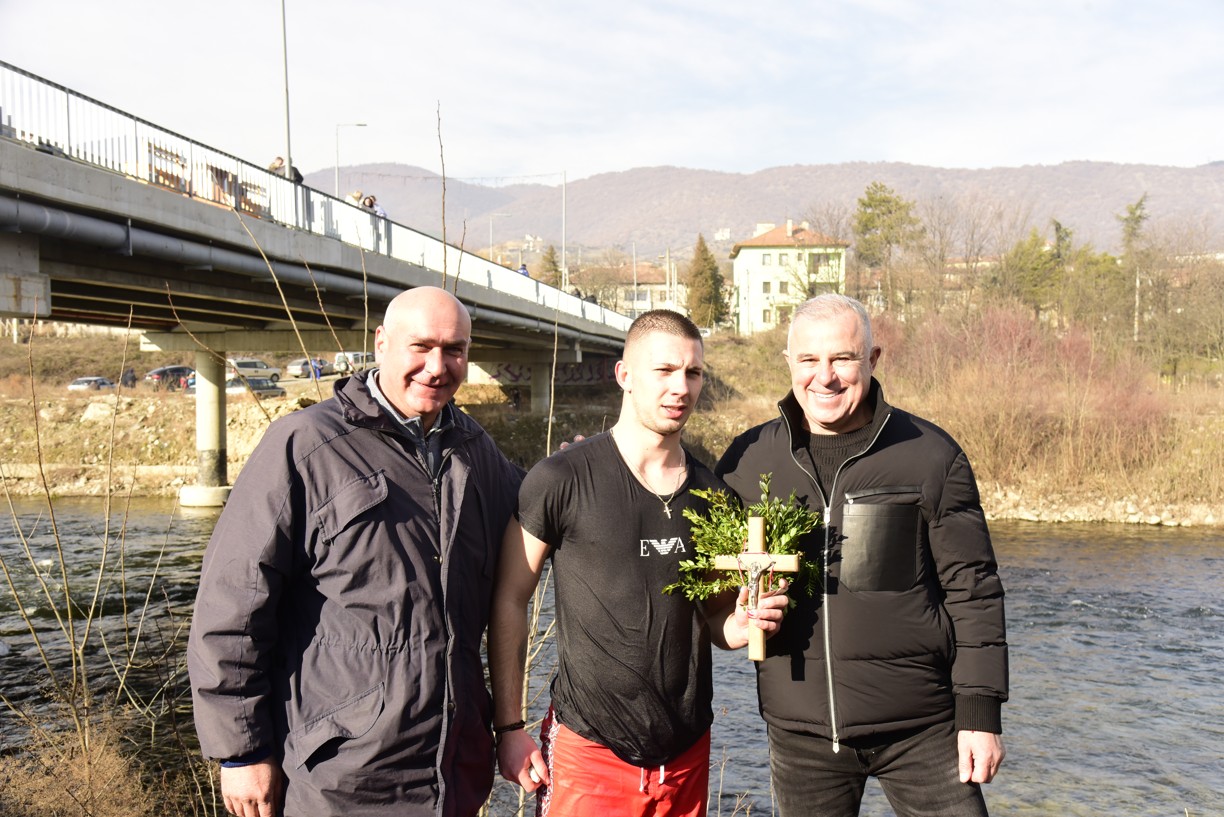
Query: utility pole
point(288, 168)
point(635, 284)
point(1135, 331)
point(491, 215)
point(667, 279)
point(564, 268)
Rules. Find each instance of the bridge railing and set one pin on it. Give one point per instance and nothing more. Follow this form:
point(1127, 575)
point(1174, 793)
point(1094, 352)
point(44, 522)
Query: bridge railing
point(61, 121)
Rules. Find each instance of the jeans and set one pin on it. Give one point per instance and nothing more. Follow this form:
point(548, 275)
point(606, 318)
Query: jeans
point(917, 771)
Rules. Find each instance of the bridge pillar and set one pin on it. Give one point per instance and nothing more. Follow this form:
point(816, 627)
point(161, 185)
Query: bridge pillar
point(24, 291)
point(211, 488)
point(541, 387)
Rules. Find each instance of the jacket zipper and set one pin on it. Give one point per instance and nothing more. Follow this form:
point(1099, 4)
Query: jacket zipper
point(448, 717)
point(826, 632)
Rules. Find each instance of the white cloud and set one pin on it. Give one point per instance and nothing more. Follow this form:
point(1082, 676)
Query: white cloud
point(543, 85)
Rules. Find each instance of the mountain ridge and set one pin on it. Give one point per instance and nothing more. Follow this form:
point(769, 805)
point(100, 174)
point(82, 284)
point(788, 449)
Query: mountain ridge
point(663, 208)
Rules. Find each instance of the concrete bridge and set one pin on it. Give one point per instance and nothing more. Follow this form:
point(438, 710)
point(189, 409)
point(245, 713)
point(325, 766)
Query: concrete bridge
point(108, 219)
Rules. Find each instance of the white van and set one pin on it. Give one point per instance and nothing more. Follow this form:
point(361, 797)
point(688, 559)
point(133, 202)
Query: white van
point(346, 362)
point(250, 367)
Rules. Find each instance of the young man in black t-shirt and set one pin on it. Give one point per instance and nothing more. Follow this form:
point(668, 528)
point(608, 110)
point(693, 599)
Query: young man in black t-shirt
point(628, 729)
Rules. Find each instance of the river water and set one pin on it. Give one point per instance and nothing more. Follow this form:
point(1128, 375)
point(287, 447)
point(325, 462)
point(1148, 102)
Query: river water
point(1116, 634)
point(1116, 638)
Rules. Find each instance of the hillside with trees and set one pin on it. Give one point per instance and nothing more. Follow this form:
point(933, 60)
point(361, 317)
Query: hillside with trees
point(660, 208)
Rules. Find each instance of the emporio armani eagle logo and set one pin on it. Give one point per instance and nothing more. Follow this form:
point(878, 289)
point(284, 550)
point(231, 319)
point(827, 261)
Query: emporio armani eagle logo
point(663, 547)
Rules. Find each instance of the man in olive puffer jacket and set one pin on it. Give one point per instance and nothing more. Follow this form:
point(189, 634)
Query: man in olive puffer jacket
point(896, 666)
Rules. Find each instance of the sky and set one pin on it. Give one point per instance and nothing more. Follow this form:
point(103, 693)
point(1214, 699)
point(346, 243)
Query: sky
point(540, 90)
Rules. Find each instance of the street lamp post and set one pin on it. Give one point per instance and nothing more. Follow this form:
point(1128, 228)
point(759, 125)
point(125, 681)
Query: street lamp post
point(668, 290)
point(288, 168)
point(338, 127)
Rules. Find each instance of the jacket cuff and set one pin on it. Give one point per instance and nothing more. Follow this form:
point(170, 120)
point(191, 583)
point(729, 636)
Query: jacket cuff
point(979, 713)
point(262, 753)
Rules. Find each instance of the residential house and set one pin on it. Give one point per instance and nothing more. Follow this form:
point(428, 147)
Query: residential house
point(652, 287)
point(779, 268)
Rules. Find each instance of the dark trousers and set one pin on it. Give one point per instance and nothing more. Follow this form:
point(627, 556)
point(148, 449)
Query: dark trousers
point(917, 771)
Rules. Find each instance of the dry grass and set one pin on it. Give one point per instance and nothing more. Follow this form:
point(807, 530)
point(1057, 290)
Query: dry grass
point(57, 360)
point(521, 435)
point(55, 776)
point(1058, 416)
point(744, 369)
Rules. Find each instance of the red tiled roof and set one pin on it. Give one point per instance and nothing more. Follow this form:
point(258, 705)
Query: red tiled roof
point(800, 237)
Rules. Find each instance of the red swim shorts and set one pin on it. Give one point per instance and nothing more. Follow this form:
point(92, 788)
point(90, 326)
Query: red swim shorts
point(588, 780)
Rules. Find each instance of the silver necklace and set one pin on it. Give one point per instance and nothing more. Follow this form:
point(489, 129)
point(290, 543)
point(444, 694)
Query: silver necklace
point(646, 483)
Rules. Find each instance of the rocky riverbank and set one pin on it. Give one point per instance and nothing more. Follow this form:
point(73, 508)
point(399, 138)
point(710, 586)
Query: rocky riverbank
point(141, 443)
point(156, 430)
point(1006, 503)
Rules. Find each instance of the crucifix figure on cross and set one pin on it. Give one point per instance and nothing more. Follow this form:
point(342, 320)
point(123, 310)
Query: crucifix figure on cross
point(756, 565)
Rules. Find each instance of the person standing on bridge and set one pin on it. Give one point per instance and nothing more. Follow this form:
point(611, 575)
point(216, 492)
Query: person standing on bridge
point(628, 730)
point(371, 203)
point(335, 653)
point(278, 167)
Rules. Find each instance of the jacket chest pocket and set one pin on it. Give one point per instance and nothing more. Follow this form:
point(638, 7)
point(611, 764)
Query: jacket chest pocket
point(343, 510)
point(880, 541)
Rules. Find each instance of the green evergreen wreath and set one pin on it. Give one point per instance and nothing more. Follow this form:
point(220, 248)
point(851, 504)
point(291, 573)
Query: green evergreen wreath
point(723, 530)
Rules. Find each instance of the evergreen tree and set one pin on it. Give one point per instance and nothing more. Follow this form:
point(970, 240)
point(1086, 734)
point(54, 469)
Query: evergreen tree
point(1097, 294)
point(1132, 227)
point(883, 225)
point(1031, 273)
point(1062, 243)
point(707, 304)
point(550, 272)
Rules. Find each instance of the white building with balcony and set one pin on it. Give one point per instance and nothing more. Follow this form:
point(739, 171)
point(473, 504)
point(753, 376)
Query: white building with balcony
point(779, 268)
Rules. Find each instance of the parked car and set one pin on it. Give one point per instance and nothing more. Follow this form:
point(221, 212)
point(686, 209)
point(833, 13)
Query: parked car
point(168, 377)
point(301, 367)
point(346, 362)
point(251, 367)
point(259, 386)
point(92, 383)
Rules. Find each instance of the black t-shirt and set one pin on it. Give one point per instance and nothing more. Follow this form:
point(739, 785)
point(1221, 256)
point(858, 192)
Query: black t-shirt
point(633, 663)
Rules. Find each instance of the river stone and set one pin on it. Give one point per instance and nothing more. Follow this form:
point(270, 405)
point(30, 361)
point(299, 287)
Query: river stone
point(97, 412)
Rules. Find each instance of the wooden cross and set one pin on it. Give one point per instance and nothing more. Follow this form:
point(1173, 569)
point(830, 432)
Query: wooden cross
point(757, 563)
